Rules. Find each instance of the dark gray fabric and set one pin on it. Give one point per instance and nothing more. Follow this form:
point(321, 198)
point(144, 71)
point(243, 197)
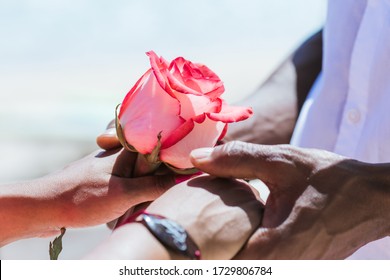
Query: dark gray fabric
point(307, 60)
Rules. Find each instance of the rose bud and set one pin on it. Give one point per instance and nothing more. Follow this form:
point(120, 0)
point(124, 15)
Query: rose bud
point(175, 108)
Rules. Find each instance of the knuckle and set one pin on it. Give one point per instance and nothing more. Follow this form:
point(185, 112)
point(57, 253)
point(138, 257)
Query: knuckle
point(237, 149)
point(229, 149)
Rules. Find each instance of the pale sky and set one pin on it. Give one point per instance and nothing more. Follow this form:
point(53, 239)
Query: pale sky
point(73, 61)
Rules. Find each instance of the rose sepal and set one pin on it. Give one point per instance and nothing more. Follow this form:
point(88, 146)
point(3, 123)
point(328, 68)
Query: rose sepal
point(148, 163)
point(120, 134)
point(185, 171)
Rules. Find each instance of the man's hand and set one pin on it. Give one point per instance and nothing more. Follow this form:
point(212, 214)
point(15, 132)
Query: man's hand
point(101, 188)
point(321, 205)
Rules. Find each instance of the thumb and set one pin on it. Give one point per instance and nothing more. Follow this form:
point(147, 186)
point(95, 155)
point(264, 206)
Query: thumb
point(234, 159)
point(108, 140)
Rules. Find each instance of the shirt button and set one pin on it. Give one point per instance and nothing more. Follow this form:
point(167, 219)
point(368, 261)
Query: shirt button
point(353, 116)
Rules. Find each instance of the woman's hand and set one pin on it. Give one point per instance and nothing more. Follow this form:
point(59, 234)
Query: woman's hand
point(100, 188)
point(88, 192)
point(108, 140)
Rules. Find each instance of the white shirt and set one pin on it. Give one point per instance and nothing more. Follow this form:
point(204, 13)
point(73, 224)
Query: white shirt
point(348, 108)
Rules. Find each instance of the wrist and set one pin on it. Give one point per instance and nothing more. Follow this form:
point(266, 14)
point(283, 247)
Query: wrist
point(67, 192)
point(55, 206)
point(141, 244)
point(169, 233)
point(131, 242)
point(368, 186)
point(27, 211)
point(377, 179)
point(355, 203)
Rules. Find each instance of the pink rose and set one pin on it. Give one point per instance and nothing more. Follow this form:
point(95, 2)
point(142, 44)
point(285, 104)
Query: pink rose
point(175, 108)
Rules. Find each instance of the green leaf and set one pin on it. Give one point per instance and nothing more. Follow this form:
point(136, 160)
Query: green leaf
point(55, 248)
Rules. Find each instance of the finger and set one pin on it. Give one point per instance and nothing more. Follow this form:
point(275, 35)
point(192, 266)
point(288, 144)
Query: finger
point(137, 191)
point(234, 159)
point(108, 139)
point(124, 164)
point(142, 189)
point(273, 164)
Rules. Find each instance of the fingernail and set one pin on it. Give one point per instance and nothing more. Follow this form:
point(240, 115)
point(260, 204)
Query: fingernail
point(201, 153)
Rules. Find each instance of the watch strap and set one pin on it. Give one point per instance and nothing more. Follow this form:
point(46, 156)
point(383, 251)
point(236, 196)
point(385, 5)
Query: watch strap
point(168, 232)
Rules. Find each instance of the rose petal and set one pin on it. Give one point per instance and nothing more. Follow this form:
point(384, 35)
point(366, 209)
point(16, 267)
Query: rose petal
point(187, 77)
point(160, 70)
point(203, 134)
point(225, 129)
point(230, 114)
point(178, 85)
point(200, 77)
point(181, 132)
point(176, 72)
point(129, 95)
point(146, 113)
point(195, 105)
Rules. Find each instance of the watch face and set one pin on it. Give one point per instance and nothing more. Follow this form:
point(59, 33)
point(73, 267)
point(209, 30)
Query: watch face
point(172, 235)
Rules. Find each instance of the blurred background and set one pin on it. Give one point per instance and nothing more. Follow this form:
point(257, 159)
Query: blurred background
point(65, 65)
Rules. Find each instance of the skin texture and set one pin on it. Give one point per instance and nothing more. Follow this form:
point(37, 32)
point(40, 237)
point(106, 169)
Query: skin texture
point(88, 192)
point(321, 205)
point(219, 220)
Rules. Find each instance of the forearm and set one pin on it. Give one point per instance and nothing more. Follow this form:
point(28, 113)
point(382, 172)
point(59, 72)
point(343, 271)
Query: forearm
point(27, 210)
point(131, 242)
point(275, 110)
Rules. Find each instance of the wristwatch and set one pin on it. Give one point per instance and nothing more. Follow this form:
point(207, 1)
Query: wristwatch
point(170, 234)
